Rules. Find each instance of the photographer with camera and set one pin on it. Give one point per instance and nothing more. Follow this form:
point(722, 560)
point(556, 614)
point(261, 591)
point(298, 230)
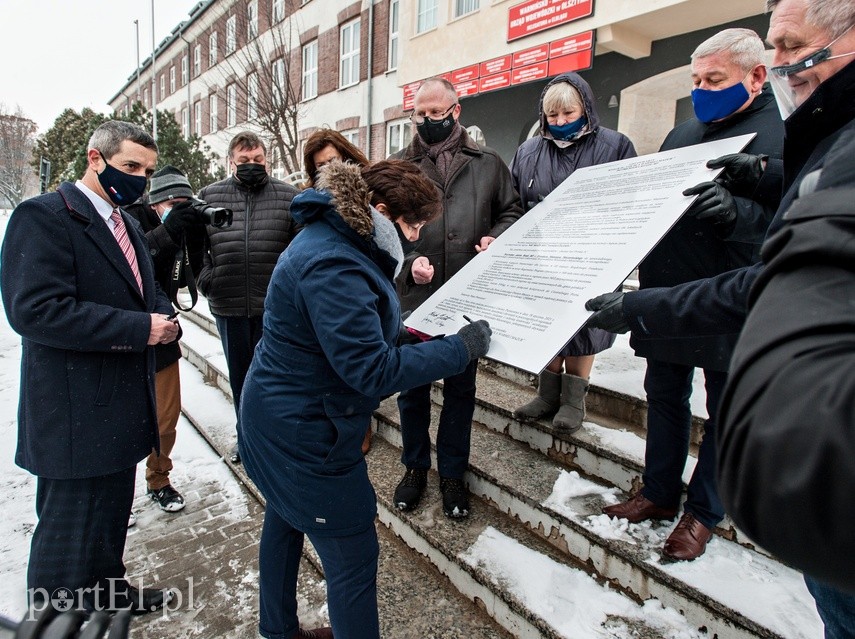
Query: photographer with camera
point(168, 216)
point(239, 259)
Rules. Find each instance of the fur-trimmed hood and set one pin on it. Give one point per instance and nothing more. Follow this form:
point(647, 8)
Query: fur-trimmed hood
point(350, 195)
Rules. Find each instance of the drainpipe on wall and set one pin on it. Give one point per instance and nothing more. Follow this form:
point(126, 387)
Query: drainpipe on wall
point(368, 91)
point(189, 82)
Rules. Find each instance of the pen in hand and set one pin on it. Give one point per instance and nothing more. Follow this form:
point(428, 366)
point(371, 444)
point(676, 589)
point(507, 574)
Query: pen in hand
point(466, 317)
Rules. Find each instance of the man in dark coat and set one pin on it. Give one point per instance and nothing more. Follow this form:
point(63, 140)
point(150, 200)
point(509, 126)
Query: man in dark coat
point(479, 203)
point(240, 258)
point(169, 200)
point(78, 285)
point(718, 233)
point(787, 442)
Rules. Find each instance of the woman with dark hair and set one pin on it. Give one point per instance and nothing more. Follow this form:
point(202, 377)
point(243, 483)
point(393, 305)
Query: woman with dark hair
point(324, 146)
point(327, 356)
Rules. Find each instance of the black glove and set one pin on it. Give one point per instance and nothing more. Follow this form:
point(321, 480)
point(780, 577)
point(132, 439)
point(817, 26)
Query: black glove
point(476, 338)
point(182, 216)
point(742, 172)
point(609, 313)
point(714, 203)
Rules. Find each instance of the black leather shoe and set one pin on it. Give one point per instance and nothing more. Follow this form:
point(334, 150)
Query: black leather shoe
point(234, 455)
point(409, 491)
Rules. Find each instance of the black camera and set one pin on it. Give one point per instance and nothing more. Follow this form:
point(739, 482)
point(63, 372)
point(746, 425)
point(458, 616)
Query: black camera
point(213, 215)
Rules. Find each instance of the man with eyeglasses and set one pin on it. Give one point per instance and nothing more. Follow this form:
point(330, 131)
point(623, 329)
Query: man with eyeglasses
point(479, 203)
point(813, 77)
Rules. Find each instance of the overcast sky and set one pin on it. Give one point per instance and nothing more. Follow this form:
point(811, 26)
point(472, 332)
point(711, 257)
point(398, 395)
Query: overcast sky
point(56, 54)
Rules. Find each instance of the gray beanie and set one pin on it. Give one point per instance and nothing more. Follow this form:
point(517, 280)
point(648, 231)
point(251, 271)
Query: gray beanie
point(168, 183)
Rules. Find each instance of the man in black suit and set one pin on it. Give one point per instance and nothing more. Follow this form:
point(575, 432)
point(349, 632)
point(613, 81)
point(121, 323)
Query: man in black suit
point(78, 286)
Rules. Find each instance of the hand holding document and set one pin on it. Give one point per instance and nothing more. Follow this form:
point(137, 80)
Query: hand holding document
point(582, 240)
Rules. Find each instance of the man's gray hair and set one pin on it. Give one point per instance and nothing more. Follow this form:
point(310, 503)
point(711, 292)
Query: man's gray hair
point(108, 137)
point(744, 47)
point(445, 84)
point(835, 17)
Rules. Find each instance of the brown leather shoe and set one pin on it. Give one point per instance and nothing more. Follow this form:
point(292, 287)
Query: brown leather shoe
point(688, 540)
point(638, 509)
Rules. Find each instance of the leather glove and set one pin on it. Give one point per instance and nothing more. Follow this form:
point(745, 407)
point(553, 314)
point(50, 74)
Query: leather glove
point(476, 338)
point(742, 172)
point(182, 216)
point(714, 203)
point(608, 313)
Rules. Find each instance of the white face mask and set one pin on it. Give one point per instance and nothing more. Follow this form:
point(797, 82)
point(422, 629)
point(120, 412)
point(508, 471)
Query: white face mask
point(784, 94)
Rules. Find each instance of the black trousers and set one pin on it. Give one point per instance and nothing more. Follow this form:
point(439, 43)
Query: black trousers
point(239, 336)
point(79, 540)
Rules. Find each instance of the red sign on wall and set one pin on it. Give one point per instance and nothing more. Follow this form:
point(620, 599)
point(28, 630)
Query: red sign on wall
point(496, 81)
point(466, 88)
point(530, 56)
point(573, 62)
point(533, 16)
point(496, 65)
point(465, 74)
point(573, 44)
point(530, 73)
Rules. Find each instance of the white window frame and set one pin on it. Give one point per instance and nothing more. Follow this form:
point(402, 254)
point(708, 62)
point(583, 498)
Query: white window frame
point(277, 75)
point(231, 105)
point(231, 35)
point(197, 117)
point(197, 60)
point(278, 10)
point(185, 63)
point(427, 15)
point(465, 7)
point(145, 97)
point(310, 70)
point(394, 22)
point(213, 123)
point(172, 79)
point(213, 53)
point(185, 122)
point(251, 97)
point(251, 20)
point(349, 42)
point(400, 130)
point(162, 85)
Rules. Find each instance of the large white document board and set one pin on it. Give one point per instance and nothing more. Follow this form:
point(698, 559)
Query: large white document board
point(581, 241)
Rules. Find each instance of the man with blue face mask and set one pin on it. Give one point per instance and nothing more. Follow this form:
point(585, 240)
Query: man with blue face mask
point(718, 233)
point(78, 286)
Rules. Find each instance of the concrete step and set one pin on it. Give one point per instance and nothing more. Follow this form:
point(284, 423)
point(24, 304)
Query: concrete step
point(627, 556)
point(414, 601)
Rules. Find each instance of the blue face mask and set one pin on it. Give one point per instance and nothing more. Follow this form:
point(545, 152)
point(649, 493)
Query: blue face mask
point(120, 187)
point(714, 105)
point(568, 129)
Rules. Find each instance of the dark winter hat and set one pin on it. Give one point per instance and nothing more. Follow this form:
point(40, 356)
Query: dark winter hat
point(168, 183)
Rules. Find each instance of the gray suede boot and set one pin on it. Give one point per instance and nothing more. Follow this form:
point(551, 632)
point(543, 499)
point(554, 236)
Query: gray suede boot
point(547, 401)
point(572, 411)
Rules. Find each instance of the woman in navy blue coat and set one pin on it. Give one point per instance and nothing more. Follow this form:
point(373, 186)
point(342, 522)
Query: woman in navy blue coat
point(327, 357)
point(570, 138)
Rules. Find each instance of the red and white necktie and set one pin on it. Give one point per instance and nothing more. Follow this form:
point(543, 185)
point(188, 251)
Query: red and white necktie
point(124, 241)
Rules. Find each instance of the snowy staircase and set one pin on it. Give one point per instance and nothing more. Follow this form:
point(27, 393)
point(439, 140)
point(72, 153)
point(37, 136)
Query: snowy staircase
point(536, 554)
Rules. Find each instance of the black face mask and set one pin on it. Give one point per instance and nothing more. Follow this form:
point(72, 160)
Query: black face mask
point(433, 131)
point(251, 175)
point(120, 187)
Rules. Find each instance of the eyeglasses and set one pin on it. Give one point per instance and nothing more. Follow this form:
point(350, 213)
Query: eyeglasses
point(417, 118)
point(417, 226)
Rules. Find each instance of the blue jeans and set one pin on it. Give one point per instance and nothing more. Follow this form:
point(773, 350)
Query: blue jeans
point(350, 568)
point(455, 424)
point(836, 608)
point(239, 336)
point(669, 420)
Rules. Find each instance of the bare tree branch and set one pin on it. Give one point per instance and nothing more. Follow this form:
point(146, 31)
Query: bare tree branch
point(17, 138)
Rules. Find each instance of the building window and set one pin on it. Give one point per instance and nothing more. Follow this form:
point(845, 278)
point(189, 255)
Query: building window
point(231, 105)
point(185, 122)
point(172, 79)
point(251, 20)
point(310, 70)
point(462, 7)
point(213, 125)
point(162, 86)
point(197, 60)
point(352, 136)
point(197, 118)
point(426, 15)
point(278, 10)
point(398, 136)
point(145, 97)
point(252, 96)
point(184, 79)
point(231, 35)
point(278, 78)
point(393, 34)
point(349, 54)
point(212, 49)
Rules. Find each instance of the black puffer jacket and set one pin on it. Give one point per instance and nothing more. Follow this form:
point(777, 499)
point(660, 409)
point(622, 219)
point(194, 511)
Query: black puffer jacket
point(240, 258)
point(787, 420)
